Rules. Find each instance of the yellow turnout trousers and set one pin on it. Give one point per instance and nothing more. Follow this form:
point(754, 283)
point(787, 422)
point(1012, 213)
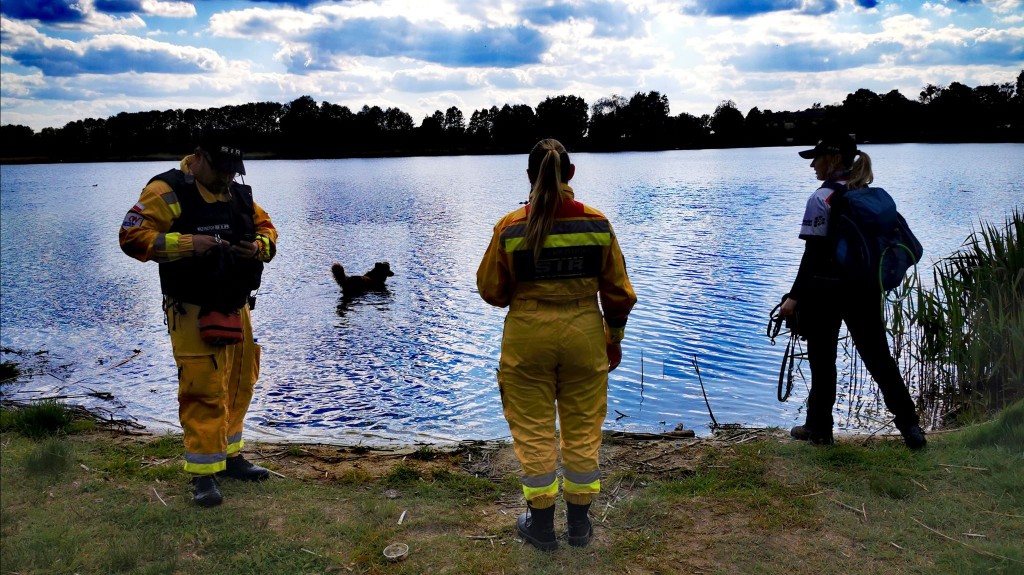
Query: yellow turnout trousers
point(215, 387)
point(553, 356)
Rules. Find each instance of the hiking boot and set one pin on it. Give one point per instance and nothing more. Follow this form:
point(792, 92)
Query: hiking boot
point(580, 529)
point(537, 527)
point(239, 468)
point(804, 433)
point(205, 492)
point(913, 437)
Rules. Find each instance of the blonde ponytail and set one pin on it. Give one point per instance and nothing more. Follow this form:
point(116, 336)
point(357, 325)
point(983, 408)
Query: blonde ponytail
point(861, 175)
point(548, 167)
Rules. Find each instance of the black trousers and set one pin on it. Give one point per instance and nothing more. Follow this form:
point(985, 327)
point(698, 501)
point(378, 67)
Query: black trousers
point(820, 320)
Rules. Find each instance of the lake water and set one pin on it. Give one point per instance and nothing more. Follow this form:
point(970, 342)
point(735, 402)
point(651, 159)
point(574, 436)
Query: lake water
point(710, 239)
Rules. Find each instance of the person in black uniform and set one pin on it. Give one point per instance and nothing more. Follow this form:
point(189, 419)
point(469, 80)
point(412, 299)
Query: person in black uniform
point(826, 300)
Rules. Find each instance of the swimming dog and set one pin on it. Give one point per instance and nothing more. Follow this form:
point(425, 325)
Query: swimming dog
point(372, 280)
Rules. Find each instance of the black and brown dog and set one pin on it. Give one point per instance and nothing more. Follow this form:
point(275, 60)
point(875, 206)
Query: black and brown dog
point(372, 280)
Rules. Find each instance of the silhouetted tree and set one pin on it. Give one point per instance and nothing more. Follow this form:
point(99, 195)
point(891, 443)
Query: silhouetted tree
point(607, 127)
point(300, 128)
point(430, 134)
point(898, 118)
point(339, 123)
point(17, 141)
point(688, 131)
point(514, 128)
point(647, 121)
point(563, 118)
point(370, 126)
point(454, 122)
point(727, 125)
point(479, 129)
point(953, 113)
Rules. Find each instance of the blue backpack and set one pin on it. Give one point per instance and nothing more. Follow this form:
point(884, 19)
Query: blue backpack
point(873, 243)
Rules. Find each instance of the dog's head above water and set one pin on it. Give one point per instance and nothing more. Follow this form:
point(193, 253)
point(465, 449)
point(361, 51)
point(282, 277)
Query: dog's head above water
point(381, 269)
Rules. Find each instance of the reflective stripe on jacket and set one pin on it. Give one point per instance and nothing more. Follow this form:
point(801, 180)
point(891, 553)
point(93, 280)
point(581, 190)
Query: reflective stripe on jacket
point(580, 258)
point(146, 234)
point(152, 228)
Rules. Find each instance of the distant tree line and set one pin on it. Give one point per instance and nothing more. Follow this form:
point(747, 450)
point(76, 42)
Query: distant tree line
point(305, 129)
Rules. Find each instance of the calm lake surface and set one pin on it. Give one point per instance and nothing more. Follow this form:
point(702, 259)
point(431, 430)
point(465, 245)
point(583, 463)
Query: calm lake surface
point(710, 238)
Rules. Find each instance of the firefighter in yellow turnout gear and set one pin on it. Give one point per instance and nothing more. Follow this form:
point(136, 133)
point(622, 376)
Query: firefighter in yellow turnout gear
point(550, 262)
point(210, 240)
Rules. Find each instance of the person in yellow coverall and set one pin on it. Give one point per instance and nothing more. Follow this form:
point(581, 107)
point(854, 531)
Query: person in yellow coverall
point(210, 240)
point(549, 262)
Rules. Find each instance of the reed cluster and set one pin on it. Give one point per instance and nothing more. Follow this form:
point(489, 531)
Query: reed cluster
point(961, 339)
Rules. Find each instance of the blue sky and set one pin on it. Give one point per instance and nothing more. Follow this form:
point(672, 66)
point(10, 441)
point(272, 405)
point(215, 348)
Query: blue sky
point(63, 60)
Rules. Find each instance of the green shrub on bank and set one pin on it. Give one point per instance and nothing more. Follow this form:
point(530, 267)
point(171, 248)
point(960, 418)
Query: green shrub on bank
point(38, 420)
point(9, 371)
point(1007, 431)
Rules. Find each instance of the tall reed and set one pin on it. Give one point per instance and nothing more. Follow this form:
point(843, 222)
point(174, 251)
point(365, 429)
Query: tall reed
point(965, 333)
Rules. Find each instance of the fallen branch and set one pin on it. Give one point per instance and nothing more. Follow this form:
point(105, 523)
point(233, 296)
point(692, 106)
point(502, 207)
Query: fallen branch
point(155, 492)
point(851, 508)
point(480, 536)
point(1004, 514)
point(156, 462)
point(812, 494)
point(963, 467)
point(606, 508)
point(975, 549)
point(696, 367)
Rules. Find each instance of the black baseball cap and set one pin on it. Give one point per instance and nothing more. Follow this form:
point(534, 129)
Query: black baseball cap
point(224, 155)
point(829, 144)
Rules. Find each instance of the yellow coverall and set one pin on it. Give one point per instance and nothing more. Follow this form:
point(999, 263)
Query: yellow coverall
point(553, 350)
point(215, 383)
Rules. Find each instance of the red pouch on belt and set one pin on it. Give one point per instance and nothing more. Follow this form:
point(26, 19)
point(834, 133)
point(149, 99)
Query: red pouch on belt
point(220, 328)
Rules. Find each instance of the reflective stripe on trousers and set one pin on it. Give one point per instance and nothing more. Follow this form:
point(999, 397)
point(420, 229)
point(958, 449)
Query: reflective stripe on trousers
point(553, 360)
point(215, 387)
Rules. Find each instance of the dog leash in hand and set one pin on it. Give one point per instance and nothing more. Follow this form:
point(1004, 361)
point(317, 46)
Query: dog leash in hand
point(775, 320)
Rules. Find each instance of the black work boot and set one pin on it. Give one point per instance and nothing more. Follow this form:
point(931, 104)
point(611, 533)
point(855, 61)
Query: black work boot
point(913, 437)
point(239, 468)
point(580, 530)
point(205, 492)
point(537, 527)
point(804, 433)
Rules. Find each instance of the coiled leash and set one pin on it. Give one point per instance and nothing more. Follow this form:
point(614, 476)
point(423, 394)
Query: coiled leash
point(775, 321)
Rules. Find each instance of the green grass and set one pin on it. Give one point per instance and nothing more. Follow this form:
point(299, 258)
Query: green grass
point(94, 504)
point(38, 420)
point(50, 458)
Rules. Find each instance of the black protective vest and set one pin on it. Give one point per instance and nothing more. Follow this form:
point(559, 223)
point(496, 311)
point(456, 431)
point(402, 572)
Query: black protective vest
point(218, 280)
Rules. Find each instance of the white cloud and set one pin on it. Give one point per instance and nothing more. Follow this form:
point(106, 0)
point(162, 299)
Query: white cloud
point(399, 53)
point(937, 9)
point(169, 9)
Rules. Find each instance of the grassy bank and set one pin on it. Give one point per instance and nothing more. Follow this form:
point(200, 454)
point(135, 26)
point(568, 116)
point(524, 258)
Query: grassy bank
point(749, 502)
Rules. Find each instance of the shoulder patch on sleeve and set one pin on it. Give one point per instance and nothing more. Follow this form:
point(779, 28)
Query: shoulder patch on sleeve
point(131, 220)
